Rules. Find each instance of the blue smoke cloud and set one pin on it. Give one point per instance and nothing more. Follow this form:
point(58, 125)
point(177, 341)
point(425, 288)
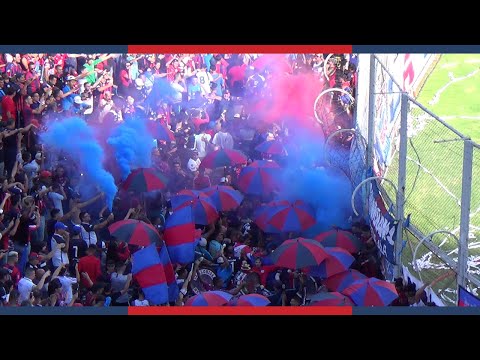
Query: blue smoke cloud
point(161, 91)
point(307, 177)
point(75, 138)
point(133, 145)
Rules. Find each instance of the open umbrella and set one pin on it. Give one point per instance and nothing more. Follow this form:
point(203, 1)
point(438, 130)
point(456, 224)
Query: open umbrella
point(223, 157)
point(273, 147)
point(341, 281)
point(338, 261)
point(339, 238)
point(225, 198)
point(288, 216)
point(298, 253)
point(144, 180)
point(371, 292)
point(209, 298)
point(330, 299)
point(204, 211)
point(260, 177)
point(250, 300)
point(261, 217)
point(180, 236)
point(134, 232)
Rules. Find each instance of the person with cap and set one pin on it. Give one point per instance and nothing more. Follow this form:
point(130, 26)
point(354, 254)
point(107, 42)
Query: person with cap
point(79, 107)
point(201, 250)
point(224, 270)
point(69, 92)
point(78, 247)
point(60, 237)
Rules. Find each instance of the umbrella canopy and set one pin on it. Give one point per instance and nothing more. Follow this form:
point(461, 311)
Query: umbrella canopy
point(209, 298)
point(288, 216)
point(144, 180)
point(134, 232)
point(223, 157)
point(338, 261)
point(261, 217)
point(250, 300)
point(341, 281)
point(260, 177)
point(271, 147)
point(180, 236)
point(204, 211)
point(224, 198)
point(330, 299)
point(160, 131)
point(371, 292)
point(298, 253)
point(339, 238)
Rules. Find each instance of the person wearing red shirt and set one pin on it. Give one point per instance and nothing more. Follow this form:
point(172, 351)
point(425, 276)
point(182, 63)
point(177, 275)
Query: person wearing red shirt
point(90, 264)
point(9, 109)
point(263, 270)
point(125, 80)
point(12, 267)
point(123, 253)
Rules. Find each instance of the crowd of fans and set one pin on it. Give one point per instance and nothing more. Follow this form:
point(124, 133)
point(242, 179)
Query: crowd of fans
point(71, 258)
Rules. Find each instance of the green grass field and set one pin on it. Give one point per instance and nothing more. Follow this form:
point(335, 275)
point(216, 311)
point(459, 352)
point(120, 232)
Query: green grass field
point(452, 92)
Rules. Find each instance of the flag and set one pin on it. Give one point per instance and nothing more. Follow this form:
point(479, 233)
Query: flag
point(149, 272)
point(466, 298)
point(169, 274)
point(180, 236)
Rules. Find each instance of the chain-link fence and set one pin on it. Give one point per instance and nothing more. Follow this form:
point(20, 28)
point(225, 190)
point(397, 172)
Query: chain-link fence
point(432, 186)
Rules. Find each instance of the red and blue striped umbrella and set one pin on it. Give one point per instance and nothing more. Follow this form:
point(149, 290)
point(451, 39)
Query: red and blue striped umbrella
point(339, 238)
point(338, 261)
point(144, 180)
point(341, 281)
point(204, 211)
point(274, 147)
point(260, 177)
point(180, 236)
point(225, 198)
point(209, 298)
point(298, 253)
point(371, 292)
point(250, 300)
point(134, 232)
point(223, 157)
point(330, 299)
point(261, 217)
point(288, 216)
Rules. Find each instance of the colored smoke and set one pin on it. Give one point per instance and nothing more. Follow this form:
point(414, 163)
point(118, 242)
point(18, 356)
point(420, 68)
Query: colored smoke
point(132, 144)
point(76, 139)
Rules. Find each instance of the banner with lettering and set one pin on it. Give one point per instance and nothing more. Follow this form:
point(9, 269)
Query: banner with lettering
point(382, 224)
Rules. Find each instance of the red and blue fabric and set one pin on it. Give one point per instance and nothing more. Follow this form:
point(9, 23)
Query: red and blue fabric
point(145, 180)
point(371, 292)
point(160, 131)
point(261, 217)
point(273, 147)
point(224, 198)
point(330, 299)
point(173, 290)
point(298, 253)
point(204, 210)
point(223, 157)
point(179, 236)
point(209, 298)
point(134, 232)
point(148, 271)
point(338, 261)
point(250, 300)
point(341, 281)
point(288, 216)
point(339, 238)
point(260, 177)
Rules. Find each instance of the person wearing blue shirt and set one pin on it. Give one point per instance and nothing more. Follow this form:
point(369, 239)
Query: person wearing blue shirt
point(224, 270)
point(69, 95)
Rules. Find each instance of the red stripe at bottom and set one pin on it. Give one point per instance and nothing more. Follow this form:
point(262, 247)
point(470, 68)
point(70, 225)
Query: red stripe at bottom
point(232, 310)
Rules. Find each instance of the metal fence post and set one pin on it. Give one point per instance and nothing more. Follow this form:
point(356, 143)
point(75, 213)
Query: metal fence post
point(371, 125)
point(465, 211)
point(402, 176)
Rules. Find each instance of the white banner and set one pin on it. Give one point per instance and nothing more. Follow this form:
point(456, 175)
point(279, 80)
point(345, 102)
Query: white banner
point(430, 293)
